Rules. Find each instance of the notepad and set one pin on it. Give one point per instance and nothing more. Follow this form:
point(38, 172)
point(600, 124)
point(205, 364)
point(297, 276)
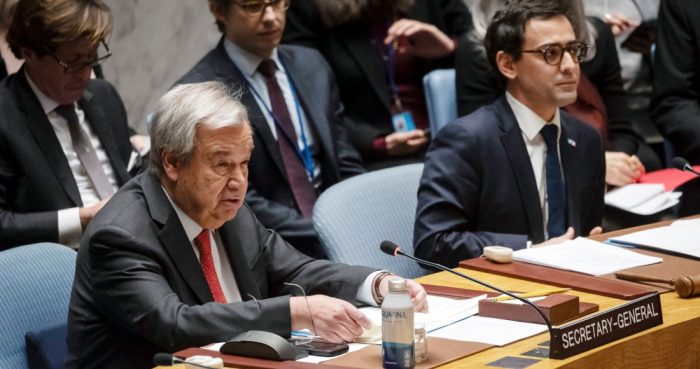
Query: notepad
point(585, 256)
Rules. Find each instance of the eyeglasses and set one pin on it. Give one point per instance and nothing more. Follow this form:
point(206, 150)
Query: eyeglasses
point(253, 7)
point(554, 54)
point(75, 67)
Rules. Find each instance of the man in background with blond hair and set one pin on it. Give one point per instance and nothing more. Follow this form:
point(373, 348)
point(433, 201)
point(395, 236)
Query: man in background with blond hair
point(64, 140)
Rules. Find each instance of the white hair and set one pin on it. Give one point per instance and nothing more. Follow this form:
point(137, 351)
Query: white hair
point(181, 109)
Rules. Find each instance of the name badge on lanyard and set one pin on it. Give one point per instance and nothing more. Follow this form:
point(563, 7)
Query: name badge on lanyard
point(403, 120)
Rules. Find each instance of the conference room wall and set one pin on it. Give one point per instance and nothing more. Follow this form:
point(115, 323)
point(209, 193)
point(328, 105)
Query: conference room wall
point(154, 42)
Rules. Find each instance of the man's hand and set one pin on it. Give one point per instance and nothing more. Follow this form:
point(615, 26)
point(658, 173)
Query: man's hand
point(622, 169)
point(569, 235)
point(415, 291)
point(405, 143)
point(619, 23)
point(89, 212)
point(419, 39)
point(335, 320)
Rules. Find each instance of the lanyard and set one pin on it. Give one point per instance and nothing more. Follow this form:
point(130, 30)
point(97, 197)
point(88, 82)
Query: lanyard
point(391, 74)
point(303, 155)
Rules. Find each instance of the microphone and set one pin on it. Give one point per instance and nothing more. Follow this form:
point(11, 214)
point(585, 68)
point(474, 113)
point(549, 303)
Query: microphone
point(165, 359)
point(393, 249)
point(682, 164)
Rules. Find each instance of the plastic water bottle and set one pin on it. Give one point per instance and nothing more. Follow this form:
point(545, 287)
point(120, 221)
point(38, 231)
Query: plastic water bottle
point(398, 351)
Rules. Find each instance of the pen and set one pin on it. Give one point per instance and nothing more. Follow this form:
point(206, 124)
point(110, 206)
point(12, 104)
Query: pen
point(531, 294)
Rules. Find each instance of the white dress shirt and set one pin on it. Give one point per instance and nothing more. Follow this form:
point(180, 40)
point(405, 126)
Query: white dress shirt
point(224, 271)
point(248, 64)
point(530, 125)
point(69, 229)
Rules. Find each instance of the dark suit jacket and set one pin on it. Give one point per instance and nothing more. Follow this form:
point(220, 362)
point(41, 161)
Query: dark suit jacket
point(35, 179)
point(358, 65)
point(478, 187)
point(139, 288)
point(269, 193)
point(478, 86)
point(676, 103)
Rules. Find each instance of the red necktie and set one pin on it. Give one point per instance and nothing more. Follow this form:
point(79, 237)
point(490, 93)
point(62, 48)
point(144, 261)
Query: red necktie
point(303, 191)
point(205, 258)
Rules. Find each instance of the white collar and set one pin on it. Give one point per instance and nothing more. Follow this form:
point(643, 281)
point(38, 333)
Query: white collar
point(246, 61)
point(46, 102)
point(530, 123)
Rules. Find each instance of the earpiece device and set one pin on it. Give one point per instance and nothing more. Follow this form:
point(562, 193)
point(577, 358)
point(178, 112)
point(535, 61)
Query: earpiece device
point(498, 254)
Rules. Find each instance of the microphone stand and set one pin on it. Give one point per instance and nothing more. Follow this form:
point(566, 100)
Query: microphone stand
point(443, 268)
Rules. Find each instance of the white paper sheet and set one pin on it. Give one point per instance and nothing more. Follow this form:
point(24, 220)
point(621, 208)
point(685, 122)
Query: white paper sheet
point(642, 198)
point(585, 256)
point(682, 237)
point(489, 330)
point(442, 311)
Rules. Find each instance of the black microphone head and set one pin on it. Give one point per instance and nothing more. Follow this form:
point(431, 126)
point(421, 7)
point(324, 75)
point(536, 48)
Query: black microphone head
point(163, 359)
point(679, 163)
point(390, 248)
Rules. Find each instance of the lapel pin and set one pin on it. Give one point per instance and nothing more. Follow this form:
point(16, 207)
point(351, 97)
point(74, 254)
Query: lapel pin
point(571, 142)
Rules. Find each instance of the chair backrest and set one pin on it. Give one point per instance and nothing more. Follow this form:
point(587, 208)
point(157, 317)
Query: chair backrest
point(35, 287)
point(354, 216)
point(440, 97)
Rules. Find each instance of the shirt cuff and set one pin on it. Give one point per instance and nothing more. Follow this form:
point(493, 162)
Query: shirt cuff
point(528, 244)
point(364, 293)
point(69, 228)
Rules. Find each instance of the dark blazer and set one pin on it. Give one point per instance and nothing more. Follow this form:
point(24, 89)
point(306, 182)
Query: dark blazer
point(269, 193)
point(3, 69)
point(478, 187)
point(676, 103)
point(358, 65)
point(35, 179)
point(139, 288)
point(477, 86)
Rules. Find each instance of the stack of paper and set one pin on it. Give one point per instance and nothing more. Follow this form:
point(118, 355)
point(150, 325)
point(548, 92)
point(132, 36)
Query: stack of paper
point(585, 256)
point(681, 237)
point(443, 311)
point(643, 199)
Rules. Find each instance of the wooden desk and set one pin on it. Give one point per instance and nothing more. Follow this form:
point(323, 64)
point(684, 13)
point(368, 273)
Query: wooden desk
point(675, 344)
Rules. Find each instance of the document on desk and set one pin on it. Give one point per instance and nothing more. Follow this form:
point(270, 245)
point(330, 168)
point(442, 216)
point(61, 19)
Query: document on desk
point(681, 237)
point(642, 198)
point(443, 311)
point(493, 331)
point(585, 256)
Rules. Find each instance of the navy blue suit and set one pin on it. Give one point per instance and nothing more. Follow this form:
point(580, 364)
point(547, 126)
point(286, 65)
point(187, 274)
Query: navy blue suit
point(269, 193)
point(478, 187)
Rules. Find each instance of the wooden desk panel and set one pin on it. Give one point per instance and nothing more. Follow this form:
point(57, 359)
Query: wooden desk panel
point(675, 344)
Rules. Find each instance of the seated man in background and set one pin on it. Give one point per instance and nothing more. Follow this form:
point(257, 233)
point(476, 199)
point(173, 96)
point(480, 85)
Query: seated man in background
point(178, 260)
point(300, 147)
point(519, 170)
point(676, 103)
point(64, 140)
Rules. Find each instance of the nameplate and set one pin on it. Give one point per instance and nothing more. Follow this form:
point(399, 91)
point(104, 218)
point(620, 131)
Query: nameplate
point(605, 327)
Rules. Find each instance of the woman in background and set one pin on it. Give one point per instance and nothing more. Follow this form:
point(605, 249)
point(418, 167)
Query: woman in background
point(379, 51)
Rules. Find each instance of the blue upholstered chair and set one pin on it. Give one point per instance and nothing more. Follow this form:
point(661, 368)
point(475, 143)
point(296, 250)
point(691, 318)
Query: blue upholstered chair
point(354, 216)
point(35, 287)
point(440, 97)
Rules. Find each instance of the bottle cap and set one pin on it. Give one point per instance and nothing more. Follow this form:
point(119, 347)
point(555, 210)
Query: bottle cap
point(397, 285)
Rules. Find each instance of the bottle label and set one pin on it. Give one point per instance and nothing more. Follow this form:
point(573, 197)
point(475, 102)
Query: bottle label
point(397, 355)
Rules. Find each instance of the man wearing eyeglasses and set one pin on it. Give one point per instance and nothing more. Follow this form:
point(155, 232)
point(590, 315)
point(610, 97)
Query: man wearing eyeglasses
point(519, 171)
point(300, 148)
point(64, 141)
